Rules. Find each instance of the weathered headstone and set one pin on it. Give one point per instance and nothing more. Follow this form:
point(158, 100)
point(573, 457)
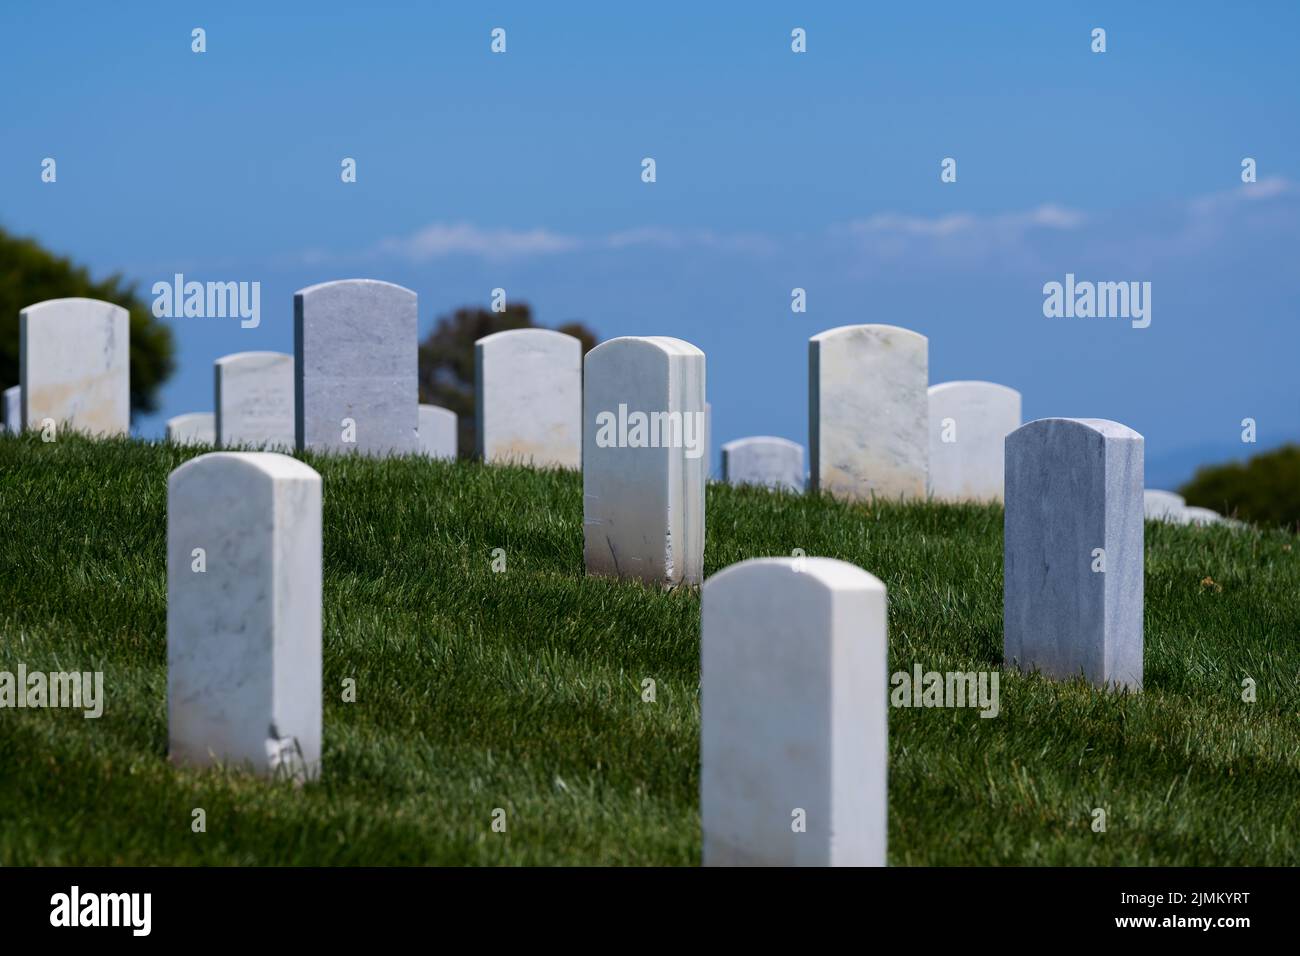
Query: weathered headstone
point(244, 613)
point(192, 428)
point(13, 401)
point(438, 436)
point(75, 365)
point(643, 460)
point(1163, 506)
point(1073, 565)
point(763, 460)
point(528, 398)
point(794, 749)
point(253, 398)
point(868, 412)
point(355, 357)
point(969, 422)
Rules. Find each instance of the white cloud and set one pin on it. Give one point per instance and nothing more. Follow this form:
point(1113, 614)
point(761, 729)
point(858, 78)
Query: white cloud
point(439, 240)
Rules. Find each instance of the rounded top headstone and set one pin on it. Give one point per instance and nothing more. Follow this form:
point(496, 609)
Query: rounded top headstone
point(868, 330)
point(829, 574)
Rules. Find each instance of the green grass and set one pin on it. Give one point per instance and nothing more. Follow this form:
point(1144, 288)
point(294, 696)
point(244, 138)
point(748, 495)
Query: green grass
point(522, 690)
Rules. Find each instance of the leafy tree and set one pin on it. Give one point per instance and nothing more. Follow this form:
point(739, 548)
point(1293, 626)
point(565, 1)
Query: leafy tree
point(1264, 490)
point(31, 274)
point(447, 358)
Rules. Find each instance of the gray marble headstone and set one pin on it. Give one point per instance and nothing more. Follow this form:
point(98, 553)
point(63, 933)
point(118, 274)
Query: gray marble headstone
point(1073, 565)
point(644, 460)
point(244, 613)
point(355, 368)
point(1163, 506)
point(969, 422)
point(438, 435)
point(794, 715)
point(868, 412)
point(253, 398)
point(763, 460)
point(75, 365)
point(192, 428)
point(528, 398)
point(13, 400)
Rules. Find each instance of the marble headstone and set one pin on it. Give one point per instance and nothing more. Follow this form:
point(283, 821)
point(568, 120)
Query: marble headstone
point(1193, 514)
point(438, 436)
point(244, 625)
point(868, 412)
point(969, 422)
point(763, 460)
point(75, 365)
point(13, 409)
point(528, 398)
point(1073, 550)
point(192, 428)
point(644, 460)
point(794, 714)
point(1163, 506)
point(253, 396)
point(355, 368)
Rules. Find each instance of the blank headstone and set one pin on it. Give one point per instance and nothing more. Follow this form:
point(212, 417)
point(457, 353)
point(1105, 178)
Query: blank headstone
point(1072, 596)
point(868, 412)
point(13, 408)
point(253, 398)
point(643, 506)
point(763, 460)
point(794, 715)
point(1163, 506)
point(244, 633)
point(355, 358)
point(1193, 514)
point(192, 428)
point(75, 365)
point(438, 437)
point(528, 398)
point(969, 422)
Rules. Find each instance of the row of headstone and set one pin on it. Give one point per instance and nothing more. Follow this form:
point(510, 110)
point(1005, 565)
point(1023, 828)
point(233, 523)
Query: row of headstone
point(1173, 508)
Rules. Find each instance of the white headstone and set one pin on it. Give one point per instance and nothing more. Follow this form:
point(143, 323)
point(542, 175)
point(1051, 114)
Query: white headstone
point(763, 460)
point(528, 398)
point(1073, 550)
point(969, 422)
point(254, 400)
point(14, 409)
point(794, 748)
point(438, 435)
point(643, 460)
point(244, 613)
point(75, 365)
point(868, 412)
point(355, 368)
point(1194, 514)
point(1163, 506)
point(192, 428)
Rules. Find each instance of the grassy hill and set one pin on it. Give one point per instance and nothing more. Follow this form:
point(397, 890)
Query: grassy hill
point(522, 690)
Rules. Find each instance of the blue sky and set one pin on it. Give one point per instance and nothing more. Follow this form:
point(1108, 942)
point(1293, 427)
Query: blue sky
point(774, 170)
